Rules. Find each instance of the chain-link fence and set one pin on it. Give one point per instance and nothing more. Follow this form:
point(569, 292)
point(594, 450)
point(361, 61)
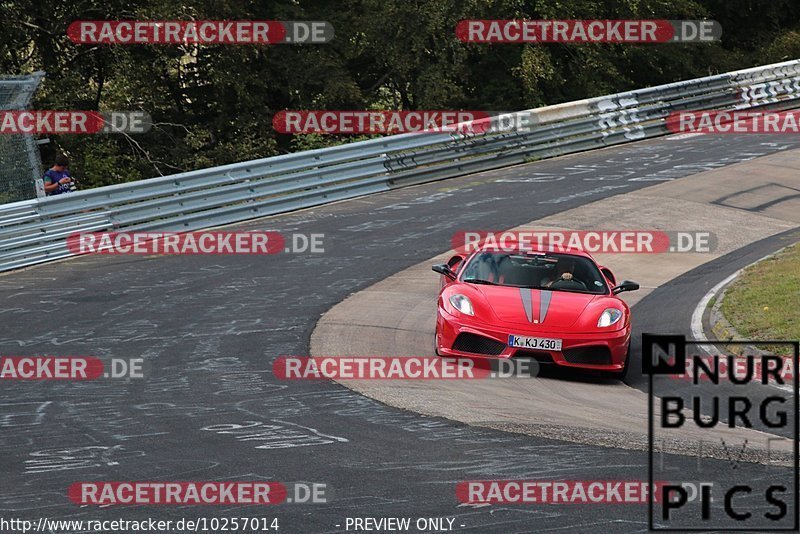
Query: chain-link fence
point(20, 162)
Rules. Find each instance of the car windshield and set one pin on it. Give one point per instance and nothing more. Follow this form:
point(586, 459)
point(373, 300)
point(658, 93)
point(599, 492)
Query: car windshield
point(553, 271)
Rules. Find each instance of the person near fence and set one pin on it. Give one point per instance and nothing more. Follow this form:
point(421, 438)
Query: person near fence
point(57, 179)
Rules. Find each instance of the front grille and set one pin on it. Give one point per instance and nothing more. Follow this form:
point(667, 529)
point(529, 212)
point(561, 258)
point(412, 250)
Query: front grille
point(598, 354)
point(539, 356)
point(476, 344)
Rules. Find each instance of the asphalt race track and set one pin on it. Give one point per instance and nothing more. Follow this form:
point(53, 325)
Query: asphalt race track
point(210, 327)
point(395, 317)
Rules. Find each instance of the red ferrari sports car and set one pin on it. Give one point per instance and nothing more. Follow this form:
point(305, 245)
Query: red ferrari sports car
point(556, 307)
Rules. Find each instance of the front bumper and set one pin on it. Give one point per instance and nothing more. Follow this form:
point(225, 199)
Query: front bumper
point(605, 351)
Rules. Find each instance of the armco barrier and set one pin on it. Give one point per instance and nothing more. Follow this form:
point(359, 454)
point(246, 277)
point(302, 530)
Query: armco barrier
point(35, 231)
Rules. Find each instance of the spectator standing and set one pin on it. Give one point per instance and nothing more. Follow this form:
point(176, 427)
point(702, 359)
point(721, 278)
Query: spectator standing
point(57, 179)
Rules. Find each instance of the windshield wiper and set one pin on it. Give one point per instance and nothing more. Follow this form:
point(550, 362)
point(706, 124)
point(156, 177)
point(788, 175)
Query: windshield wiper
point(479, 281)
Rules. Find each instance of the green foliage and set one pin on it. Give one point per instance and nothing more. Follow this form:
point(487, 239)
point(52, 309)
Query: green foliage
point(213, 105)
point(762, 302)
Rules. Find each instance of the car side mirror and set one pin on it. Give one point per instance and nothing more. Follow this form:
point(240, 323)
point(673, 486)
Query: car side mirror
point(455, 262)
point(608, 274)
point(625, 285)
point(443, 269)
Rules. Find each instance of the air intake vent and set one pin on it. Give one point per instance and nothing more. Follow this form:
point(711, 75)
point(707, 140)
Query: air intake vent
point(476, 344)
point(597, 355)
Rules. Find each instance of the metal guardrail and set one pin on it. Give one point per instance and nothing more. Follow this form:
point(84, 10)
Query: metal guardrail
point(35, 231)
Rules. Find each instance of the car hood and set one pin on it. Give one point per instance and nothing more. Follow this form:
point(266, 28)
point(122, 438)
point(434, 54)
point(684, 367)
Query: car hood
point(536, 307)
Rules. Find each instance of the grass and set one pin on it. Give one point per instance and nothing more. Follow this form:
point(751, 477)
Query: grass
point(764, 302)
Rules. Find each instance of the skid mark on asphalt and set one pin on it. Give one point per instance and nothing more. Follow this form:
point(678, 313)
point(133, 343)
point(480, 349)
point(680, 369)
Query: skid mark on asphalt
point(279, 435)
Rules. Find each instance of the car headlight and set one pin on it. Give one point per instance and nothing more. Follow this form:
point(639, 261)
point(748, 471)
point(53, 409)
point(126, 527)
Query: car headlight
point(609, 317)
point(462, 304)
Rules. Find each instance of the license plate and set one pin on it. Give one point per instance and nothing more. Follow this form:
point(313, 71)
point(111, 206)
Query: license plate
point(540, 343)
